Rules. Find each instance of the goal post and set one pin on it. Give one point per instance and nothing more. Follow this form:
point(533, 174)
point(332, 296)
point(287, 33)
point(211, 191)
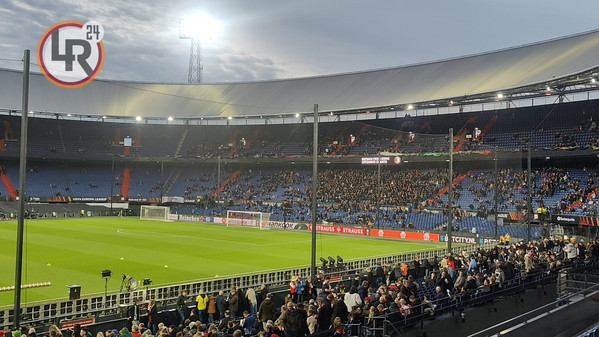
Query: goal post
point(154, 213)
point(248, 219)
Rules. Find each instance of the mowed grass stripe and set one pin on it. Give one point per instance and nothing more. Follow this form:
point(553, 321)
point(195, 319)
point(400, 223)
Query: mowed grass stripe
point(78, 249)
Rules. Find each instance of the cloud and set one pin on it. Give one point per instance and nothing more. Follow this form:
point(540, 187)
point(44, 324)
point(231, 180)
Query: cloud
point(226, 65)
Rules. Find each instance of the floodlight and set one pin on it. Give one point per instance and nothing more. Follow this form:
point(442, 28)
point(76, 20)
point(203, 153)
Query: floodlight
point(147, 281)
point(324, 261)
point(230, 117)
point(106, 273)
point(138, 118)
point(170, 118)
point(410, 107)
point(198, 27)
point(499, 95)
point(548, 88)
point(593, 80)
point(297, 115)
point(339, 259)
point(331, 261)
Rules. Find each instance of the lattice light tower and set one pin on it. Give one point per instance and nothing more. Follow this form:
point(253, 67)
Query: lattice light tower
point(195, 66)
point(197, 28)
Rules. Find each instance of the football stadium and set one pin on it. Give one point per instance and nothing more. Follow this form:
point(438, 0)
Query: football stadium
point(446, 198)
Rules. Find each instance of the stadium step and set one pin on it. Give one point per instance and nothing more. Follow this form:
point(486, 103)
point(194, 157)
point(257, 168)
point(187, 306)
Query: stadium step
point(181, 141)
point(578, 203)
point(396, 138)
point(423, 127)
point(360, 133)
point(251, 139)
point(464, 129)
point(454, 182)
point(8, 131)
point(220, 188)
point(487, 127)
point(171, 182)
point(137, 140)
point(233, 144)
point(462, 133)
point(459, 146)
point(339, 140)
point(8, 184)
point(125, 182)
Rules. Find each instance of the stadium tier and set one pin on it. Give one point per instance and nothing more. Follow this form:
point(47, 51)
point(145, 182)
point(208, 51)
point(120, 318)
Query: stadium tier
point(569, 126)
point(348, 196)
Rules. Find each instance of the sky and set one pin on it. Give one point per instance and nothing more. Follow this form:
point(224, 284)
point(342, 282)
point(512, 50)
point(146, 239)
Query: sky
point(277, 39)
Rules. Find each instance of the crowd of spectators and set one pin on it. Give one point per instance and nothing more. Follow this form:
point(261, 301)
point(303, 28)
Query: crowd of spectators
point(351, 195)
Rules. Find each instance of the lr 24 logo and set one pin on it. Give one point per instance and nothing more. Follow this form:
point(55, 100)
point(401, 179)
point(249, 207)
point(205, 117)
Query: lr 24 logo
point(71, 53)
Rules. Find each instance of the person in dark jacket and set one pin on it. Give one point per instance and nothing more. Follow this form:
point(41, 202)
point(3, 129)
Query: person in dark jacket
point(233, 303)
point(223, 325)
point(261, 295)
point(324, 314)
point(153, 316)
point(340, 309)
point(134, 313)
point(182, 305)
point(221, 304)
point(298, 321)
point(267, 310)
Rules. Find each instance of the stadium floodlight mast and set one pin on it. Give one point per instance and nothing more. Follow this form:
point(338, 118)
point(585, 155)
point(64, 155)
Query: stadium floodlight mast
point(197, 28)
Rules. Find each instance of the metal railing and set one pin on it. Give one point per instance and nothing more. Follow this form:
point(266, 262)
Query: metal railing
point(530, 316)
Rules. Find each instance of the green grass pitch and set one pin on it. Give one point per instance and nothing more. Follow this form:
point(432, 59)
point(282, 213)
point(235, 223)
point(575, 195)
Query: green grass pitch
point(75, 251)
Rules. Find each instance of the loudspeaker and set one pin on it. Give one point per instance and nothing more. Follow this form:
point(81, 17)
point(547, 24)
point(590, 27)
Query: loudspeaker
point(74, 292)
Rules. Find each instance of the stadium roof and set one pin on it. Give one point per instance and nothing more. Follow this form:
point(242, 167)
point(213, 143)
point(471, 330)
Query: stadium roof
point(558, 63)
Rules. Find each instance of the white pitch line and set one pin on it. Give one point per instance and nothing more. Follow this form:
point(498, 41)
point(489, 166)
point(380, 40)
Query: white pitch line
point(154, 234)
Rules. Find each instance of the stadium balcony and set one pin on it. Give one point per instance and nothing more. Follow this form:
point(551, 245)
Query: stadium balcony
point(570, 126)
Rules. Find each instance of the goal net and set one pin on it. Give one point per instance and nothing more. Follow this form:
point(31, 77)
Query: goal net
point(154, 213)
point(249, 219)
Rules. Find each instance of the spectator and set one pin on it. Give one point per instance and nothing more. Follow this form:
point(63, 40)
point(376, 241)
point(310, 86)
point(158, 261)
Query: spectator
point(267, 310)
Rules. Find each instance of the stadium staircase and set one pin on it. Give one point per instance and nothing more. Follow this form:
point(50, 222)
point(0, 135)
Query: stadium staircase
point(222, 186)
point(125, 181)
point(64, 149)
point(181, 141)
point(137, 139)
point(361, 132)
point(578, 203)
point(453, 183)
point(487, 127)
point(396, 137)
point(8, 131)
point(8, 185)
point(117, 136)
point(461, 135)
point(339, 139)
point(234, 145)
point(424, 126)
point(6, 136)
point(251, 138)
point(171, 181)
